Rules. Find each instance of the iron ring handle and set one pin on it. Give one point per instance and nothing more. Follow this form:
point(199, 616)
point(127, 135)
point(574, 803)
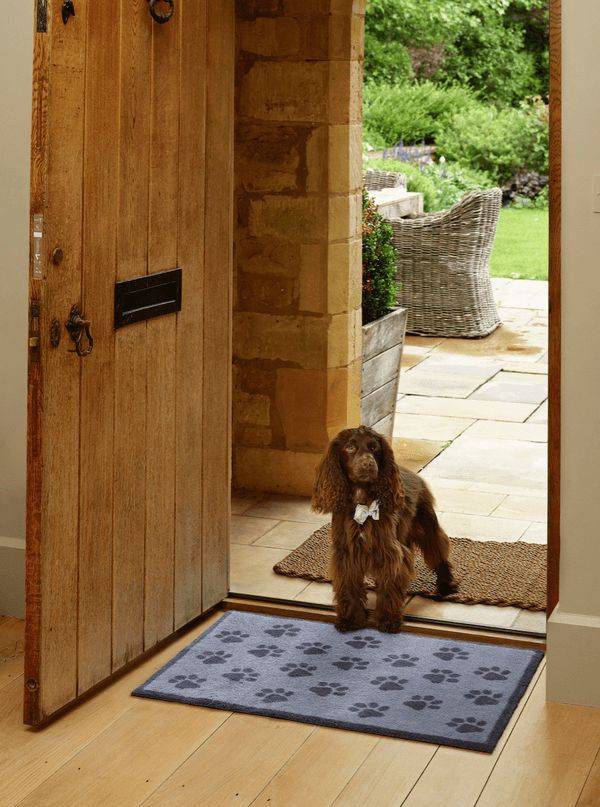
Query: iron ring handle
point(159, 16)
point(76, 325)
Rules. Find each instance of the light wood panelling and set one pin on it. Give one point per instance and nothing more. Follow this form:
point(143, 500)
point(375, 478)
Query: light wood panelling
point(128, 535)
point(190, 337)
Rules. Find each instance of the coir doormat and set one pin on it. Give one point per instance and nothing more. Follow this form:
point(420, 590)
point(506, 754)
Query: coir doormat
point(488, 572)
point(460, 694)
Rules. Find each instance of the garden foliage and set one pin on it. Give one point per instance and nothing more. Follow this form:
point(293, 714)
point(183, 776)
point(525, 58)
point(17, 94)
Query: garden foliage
point(379, 263)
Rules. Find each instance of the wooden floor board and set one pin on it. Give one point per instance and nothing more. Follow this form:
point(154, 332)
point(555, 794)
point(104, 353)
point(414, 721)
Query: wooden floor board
point(12, 634)
point(110, 748)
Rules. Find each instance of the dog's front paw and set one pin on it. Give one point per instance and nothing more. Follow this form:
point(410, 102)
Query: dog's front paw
point(390, 625)
point(345, 625)
point(446, 587)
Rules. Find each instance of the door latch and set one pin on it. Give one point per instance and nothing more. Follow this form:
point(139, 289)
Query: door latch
point(76, 325)
point(35, 312)
point(159, 16)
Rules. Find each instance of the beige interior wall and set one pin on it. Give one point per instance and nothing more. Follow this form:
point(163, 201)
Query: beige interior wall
point(16, 49)
point(574, 628)
point(298, 172)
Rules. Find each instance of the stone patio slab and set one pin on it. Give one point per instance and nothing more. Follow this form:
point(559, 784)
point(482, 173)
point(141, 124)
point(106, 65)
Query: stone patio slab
point(532, 508)
point(415, 454)
point(463, 365)
point(430, 427)
point(504, 462)
point(251, 572)
point(438, 384)
point(464, 408)
point(508, 490)
point(287, 535)
point(246, 530)
point(286, 508)
point(513, 388)
point(508, 341)
point(536, 534)
point(503, 430)
point(540, 415)
point(483, 528)
point(538, 367)
point(472, 502)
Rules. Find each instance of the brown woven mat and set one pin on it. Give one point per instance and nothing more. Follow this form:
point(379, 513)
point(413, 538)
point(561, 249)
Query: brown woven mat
point(488, 572)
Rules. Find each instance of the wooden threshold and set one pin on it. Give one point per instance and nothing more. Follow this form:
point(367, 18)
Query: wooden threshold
point(417, 625)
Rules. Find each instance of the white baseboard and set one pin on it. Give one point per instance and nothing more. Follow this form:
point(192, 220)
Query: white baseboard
point(12, 577)
point(573, 650)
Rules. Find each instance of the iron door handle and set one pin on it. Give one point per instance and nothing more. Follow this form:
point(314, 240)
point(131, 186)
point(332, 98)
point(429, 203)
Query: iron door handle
point(76, 325)
point(158, 15)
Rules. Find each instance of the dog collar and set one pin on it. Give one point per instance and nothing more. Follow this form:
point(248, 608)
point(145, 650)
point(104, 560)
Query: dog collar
point(362, 512)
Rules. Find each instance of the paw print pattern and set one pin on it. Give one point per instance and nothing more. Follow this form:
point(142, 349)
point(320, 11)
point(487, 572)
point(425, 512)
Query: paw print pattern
point(214, 657)
point(370, 642)
point(387, 682)
point(451, 653)
point(298, 670)
point(442, 676)
point(263, 650)
point(279, 695)
point(492, 673)
point(418, 702)
point(351, 663)
point(186, 681)
point(372, 709)
point(471, 724)
point(241, 674)
point(313, 648)
point(283, 630)
point(228, 637)
point(404, 660)
point(484, 697)
point(323, 689)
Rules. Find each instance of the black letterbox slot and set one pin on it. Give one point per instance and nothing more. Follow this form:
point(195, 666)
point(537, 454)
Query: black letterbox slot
point(147, 297)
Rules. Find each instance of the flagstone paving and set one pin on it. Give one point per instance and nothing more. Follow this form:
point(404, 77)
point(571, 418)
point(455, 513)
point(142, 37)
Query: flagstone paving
point(472, 418)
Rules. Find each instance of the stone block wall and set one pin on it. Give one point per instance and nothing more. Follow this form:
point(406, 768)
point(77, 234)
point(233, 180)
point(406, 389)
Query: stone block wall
point(297, 281)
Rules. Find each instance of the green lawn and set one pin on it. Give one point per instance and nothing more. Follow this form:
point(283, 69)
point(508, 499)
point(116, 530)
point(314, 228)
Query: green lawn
point(521, 245)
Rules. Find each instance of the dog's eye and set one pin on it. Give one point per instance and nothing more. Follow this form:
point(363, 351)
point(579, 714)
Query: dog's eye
point(374, 447)
point(350, 448)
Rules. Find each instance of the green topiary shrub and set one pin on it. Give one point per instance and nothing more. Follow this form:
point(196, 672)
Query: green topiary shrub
point(379, 263)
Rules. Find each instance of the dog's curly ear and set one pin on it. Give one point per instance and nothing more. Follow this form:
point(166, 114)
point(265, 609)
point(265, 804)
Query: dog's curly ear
point(332, 488)
point(389, 487)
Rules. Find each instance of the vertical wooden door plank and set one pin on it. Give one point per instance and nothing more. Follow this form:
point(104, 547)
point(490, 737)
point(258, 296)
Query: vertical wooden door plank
point(100, 207)
point(61, 369)
point(35, 389)
point(161, 334)
point(190, 358)
point(216, 439)
point(130, 341)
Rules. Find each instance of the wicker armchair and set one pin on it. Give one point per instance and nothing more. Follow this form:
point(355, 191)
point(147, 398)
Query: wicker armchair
point(443, 267)
point(377, 180)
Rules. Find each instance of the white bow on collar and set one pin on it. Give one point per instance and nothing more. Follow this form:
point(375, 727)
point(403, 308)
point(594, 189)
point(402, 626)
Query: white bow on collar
point(362, 512)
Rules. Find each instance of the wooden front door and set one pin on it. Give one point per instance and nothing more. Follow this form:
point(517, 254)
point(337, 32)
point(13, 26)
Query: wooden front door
point(128, 446)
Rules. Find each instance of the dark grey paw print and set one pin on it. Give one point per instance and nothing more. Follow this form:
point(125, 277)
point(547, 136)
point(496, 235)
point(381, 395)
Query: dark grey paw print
point(492, 673)
point(484, 697)
point(385, 682)
point(283, 630)
point(279, 695)
point(372, 709)
point(323, 689)
point(370, 642)
point(313, 648)
point(298, 670)
point(228, 637)
point(186, 681)
point(262, 650)
point(404, 660)
point(466, 726)
point(442, 676)
point(451, 653)
point(214, 657)
point(241, 674)
point(351, 663)
point(418, 702)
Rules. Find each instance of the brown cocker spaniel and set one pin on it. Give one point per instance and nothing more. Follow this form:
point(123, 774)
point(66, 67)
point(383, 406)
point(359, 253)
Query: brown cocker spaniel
point(380, 511)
